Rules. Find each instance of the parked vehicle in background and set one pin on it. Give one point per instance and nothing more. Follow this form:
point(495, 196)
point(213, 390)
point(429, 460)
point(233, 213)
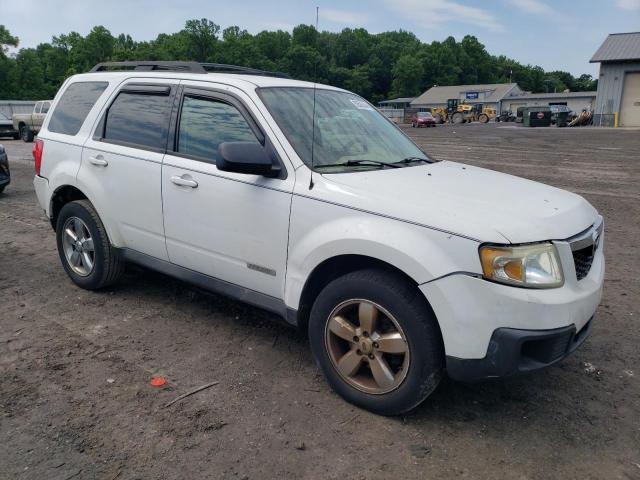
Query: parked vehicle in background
point(423, 119)
point(28, 124)
point(7, 109)
point(5, 174)
point(561, 111)
point(506, 116)
point(304, 200)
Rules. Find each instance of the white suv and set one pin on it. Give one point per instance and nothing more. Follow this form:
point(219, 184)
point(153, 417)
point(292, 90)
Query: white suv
point(304, 200)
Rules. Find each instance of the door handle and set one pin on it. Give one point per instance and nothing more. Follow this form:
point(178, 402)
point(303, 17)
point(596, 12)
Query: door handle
point(98, 161)
point(184, 182)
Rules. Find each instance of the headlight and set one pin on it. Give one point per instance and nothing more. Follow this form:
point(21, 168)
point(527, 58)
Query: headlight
point(533, 266)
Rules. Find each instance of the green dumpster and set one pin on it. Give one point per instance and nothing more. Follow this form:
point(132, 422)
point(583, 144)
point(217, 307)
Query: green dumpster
point(536, 117)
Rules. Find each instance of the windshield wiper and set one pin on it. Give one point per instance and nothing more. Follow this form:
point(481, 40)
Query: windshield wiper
point(356, 163)
point(408, 160)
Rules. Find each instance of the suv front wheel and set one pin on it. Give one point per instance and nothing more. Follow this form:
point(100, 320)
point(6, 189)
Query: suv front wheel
point(377, 341)
point(84, 248)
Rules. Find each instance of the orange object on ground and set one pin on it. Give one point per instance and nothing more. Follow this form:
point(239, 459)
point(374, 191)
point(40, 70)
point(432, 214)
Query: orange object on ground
point(158, 381)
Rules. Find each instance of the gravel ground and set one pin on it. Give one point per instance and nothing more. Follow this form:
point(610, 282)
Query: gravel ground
point(75, 366)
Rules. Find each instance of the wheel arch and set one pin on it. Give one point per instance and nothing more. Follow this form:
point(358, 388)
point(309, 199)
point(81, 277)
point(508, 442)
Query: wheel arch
point(337, 266)
point(60, 197)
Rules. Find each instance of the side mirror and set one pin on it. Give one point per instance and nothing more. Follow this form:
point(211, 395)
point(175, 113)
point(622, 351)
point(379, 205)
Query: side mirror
point(246, 157)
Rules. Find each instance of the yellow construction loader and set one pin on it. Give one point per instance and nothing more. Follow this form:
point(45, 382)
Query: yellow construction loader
point(457, 112)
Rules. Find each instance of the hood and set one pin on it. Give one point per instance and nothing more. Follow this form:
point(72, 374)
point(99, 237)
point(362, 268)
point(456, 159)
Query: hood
point(470, 201)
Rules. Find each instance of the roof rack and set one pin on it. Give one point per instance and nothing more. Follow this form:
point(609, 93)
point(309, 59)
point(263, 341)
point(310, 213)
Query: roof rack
point(224, 68)
point(190, 67)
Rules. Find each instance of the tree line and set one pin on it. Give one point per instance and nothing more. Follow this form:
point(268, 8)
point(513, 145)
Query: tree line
point(376, 66)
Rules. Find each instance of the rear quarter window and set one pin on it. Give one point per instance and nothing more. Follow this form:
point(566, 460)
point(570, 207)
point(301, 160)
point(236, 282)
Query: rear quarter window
point(74, 106)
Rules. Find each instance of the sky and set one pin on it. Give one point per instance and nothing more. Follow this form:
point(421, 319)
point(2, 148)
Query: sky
point(555, 34)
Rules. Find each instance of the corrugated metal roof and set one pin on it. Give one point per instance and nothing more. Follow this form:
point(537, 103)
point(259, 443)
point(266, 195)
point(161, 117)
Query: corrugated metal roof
point(537, 96)
point(493, 93)
point(618, 47)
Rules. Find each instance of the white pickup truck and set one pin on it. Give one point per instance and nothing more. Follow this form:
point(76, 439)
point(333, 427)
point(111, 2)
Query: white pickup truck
point(28, 124)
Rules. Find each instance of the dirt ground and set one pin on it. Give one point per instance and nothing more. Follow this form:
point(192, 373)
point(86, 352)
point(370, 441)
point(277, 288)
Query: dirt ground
point(75, 366)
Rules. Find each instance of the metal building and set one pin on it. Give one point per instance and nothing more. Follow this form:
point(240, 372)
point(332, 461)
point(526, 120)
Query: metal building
point(618, 98)
point(489, 95)
point(396, 103)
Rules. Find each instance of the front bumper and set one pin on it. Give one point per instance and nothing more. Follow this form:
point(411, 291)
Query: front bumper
point(512, 352)
point(470, 309)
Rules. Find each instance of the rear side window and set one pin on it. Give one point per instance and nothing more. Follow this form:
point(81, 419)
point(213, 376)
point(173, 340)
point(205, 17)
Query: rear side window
point(138, 118)
point(206, 123)
point(74, 106)
point(45, 107)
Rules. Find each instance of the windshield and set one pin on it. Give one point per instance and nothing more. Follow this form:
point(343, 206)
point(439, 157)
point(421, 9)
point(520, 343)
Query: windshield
point(349, 133)
point(424, 114)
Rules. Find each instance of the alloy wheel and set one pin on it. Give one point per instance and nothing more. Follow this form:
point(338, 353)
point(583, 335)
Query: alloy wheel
point(367, 346)
point(78, 246)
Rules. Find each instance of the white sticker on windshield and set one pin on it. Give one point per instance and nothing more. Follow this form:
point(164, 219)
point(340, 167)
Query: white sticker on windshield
point(361, 105)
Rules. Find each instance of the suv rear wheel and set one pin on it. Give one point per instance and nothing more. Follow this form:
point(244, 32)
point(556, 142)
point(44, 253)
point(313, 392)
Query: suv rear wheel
point(377, 341)
point(84, 248)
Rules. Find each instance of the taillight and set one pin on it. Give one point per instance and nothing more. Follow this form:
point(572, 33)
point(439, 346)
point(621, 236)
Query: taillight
point(38, 147)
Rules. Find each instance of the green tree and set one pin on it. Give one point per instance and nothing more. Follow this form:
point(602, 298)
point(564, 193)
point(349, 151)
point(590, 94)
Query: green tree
point(376, 66)
point(304, 36)
point(201, 36)
point(407, 77)
point(8, 67)
point(97, 47)
point(30, 75)
point(6, 40)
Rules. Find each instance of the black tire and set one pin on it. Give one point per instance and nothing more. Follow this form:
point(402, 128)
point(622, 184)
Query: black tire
point(457, 118)
point(26, 133)
point(108, 265)
point(411, 310)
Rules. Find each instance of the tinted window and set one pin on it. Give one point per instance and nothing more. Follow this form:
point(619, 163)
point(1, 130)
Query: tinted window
point(138, 118)
point(45, 107)
point(74, 106)
point(206, 123)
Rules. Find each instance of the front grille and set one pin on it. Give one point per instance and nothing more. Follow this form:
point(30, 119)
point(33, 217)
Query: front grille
point(584, 247)
point(583, 259)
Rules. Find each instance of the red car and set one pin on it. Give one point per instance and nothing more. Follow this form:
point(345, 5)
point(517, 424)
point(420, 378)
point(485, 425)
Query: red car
point(423, 119)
